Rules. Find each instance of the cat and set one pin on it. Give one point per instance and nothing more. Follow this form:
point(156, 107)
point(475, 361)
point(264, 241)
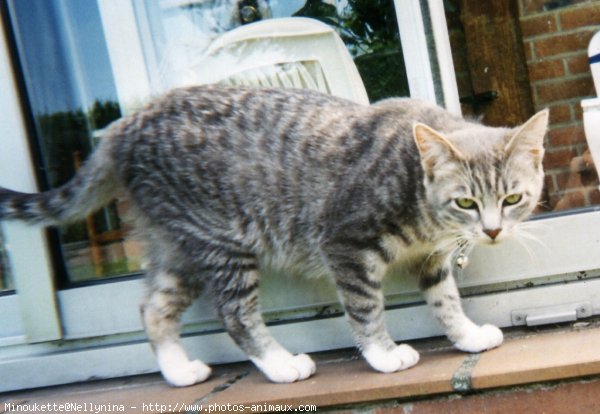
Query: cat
point(223, 181)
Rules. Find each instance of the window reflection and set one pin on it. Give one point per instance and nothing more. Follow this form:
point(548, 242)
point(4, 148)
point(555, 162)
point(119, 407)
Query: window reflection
point(70, 90)
point(369, 29)
point(182, 32)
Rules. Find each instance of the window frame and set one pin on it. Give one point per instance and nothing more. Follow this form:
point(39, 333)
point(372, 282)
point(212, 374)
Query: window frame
point(38, 315)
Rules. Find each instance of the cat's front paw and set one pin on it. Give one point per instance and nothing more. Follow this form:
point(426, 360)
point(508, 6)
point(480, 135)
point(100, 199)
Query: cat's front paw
point(283, 367)
point(480, 338)
point(177, 369)
point(391, 360)
point(185, 373)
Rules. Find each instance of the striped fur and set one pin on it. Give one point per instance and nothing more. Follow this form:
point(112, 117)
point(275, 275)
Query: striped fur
point(223, 182)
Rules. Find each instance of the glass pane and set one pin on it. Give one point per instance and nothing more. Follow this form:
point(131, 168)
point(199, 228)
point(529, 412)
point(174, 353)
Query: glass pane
point(71, 93)
point(6, 282)
point(369, 29)
point(539, 75)
point(71, 90)
point(181, 33)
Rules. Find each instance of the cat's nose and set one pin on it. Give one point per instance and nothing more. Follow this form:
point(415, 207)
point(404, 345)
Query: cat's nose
point(492, 233)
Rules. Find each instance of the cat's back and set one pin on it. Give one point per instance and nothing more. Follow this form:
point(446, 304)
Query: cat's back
point(277, 145)
point(250, 122)
point(274, 140)
point(252, 111)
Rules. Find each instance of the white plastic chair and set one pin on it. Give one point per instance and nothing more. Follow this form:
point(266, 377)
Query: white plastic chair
point(286, 52)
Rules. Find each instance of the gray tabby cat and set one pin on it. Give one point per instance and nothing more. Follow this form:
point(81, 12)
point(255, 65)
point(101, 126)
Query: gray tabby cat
point(225, 181)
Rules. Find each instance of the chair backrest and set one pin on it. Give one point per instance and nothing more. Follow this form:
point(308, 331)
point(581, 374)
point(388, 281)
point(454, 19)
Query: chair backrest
point(286, 52)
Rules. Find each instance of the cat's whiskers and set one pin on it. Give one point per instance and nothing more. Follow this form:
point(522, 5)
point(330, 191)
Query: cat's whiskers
point(524, 235)
point(520, 240)
point(524, 230)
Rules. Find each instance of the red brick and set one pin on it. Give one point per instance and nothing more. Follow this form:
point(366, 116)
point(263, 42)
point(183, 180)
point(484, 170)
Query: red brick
point(578, 64)
point(588, 15)
point(563, 43)
point(532, 26)
point(567, 136)
point(528, 49)
point(559, 159)
point(560, 113)
point(565, 89)
point(545, 69)
point(578, 113)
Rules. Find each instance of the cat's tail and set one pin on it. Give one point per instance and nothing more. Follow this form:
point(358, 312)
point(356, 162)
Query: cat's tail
point(90, 189)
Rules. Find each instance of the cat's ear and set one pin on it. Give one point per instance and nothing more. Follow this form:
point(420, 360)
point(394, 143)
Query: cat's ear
point(529, 137)
point(433, 147)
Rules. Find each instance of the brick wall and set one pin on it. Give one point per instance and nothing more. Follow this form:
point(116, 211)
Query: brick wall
point(556, 35)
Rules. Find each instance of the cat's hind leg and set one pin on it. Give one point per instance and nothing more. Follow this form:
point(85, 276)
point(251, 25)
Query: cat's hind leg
point(236, 291)
point(166, 299)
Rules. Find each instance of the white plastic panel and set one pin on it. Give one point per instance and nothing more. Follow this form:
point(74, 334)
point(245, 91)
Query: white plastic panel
point(26, 246)
point(415, 50)
point(126, 54)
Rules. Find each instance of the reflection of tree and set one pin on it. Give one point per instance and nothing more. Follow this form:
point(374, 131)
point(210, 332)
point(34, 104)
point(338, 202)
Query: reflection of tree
point(103, 113)
point(370, 31)
point(66, 133)
point(366, 26)
point(66, 136)
point(319, 10)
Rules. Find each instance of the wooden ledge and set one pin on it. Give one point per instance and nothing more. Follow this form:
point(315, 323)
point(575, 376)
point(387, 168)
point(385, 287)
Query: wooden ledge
point(343, 379)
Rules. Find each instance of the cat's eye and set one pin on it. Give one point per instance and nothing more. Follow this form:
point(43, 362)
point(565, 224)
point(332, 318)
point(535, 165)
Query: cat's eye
point(466, 203)
point(512, 199)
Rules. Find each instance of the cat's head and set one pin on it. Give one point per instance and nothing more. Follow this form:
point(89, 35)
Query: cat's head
point(482, 181)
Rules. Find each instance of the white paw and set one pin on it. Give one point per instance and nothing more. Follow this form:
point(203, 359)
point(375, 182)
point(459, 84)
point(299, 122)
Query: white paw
point(396, 359)
point(281, 366)
point(480, 338)
point(177, 369)
point(183, 375)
